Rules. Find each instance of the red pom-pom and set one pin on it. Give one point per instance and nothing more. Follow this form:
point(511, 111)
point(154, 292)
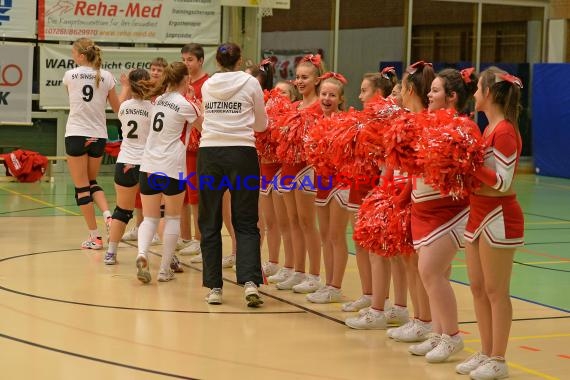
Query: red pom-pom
point(450, 151)
point(294, 128)
point(401, 137)
point(267, 141)
point(370, 150)
point(330, 142)
point(381, 226)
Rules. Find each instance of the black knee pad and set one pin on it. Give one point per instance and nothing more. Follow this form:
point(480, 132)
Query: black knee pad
point(84, 200)
point(94, 187)
point(122, 214)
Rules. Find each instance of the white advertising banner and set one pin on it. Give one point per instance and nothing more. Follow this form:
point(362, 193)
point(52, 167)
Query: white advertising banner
point(17, 19)
point(16, 63)
point(55, 60)
point(143, 21)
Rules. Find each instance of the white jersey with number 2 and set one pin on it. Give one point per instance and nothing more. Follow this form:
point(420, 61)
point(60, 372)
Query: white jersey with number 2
point(134, 115)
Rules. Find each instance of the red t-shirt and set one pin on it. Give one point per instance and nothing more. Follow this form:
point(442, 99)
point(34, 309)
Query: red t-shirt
point(197, 85)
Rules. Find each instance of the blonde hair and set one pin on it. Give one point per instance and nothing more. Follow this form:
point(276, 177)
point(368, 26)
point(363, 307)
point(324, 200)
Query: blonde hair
point(92, 54)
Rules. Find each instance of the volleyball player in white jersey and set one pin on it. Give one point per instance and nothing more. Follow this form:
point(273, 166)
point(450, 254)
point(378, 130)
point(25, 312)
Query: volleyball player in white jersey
point(163, 167)
point(134, 115)
point(89, 88)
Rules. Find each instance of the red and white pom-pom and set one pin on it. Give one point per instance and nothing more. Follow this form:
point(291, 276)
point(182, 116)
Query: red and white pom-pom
point(450, 151)
point(267, 141)
point(401, 137)
point(381, 226)
point(370, 150)
point(330, 142)
point(293, 130)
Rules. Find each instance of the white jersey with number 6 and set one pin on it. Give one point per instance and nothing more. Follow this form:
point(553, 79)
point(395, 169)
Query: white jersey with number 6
point(164, 151)
point(87, 102)
point(134, 115)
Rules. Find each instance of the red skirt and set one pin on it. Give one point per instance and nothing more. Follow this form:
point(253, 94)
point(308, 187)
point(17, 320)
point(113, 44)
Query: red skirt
point(269, 177)
point(435, 218)
point(500, 219)
point(357, 193)
point(299, 176)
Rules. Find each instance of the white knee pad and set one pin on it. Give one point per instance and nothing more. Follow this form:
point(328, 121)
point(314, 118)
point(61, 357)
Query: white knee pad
point(172, 225)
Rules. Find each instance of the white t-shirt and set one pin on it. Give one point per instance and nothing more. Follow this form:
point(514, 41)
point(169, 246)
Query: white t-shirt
point(87, 102)
point(164, 151)
point(134, 115)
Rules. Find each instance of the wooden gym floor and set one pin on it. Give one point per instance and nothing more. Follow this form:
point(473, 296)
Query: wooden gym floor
point(65, 315)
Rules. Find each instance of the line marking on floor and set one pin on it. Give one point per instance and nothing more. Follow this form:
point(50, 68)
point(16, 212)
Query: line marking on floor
point(526, 337)
point(530, 348)
point(33, 199)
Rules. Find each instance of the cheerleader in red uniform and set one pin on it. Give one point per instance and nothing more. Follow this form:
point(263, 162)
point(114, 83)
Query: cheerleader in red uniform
point(273, 215)
point(295, 174)
point(374, 270)
point(496, 224)
point(416, 83)
point(332, 200)
point(438, 224)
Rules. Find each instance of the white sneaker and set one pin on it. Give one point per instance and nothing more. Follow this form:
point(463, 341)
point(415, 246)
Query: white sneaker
point(181, 244)
point(196, 259)
point(110, 258)
point(295, 279)
point(191, 249)
point(371, 320)
point(471, 363)
point(310, 284)
point(143, 273)
point(165, 275)
point(391, 332)
point(228, 261)
point(418, 332)
point(269, 268)
point(426, 346)
point(155, 240)
point(448, 345)
point(281, 275)
point(493, 368)
point(252, 297)
point(131, 235)
point(92, 243)
point(397, 315)
point(328, 294)
point(364, 301)
point(214, 296)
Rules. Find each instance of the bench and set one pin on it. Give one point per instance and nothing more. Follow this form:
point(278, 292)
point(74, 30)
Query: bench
point(48, 175)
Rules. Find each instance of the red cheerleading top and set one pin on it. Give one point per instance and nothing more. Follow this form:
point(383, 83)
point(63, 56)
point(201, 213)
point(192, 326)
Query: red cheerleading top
point(504, 145)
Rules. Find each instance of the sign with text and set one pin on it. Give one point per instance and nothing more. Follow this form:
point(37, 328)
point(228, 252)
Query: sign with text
point(143, 21)
point(16, 83)
point(55, 60)
point(17, 19)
